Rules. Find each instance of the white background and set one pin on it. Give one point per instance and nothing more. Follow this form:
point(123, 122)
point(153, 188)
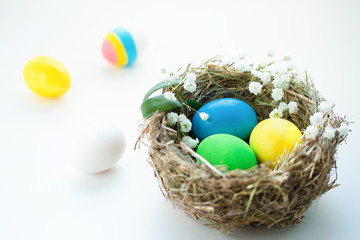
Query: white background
point(43, 197)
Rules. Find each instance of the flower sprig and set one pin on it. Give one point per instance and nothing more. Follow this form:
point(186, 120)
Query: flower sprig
point(168, 100)
point(278, 75)
point(184, 125)
point(317, 124)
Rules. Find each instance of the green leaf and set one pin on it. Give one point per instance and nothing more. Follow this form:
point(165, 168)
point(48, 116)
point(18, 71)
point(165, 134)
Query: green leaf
point(149, 106)
point(159, 86)
point(194, 104)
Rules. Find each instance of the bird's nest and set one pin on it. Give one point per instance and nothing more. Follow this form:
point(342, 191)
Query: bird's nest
point(260, 195)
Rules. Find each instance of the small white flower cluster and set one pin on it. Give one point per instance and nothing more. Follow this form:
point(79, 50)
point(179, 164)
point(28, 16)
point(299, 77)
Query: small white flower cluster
point(185, 127)
point(224, 60)
point(282, 82)
point(192, 143)
point(343, 129)
point(280, 72)
point(204, 116)
point(189, 83)
point(184, 123)
point(277, 94)
point(170, 96)
point(242, 66)
point(317, 120)
point(255, 87)
point(311, 132)
point(265, 77)
point(170, 76)
point(293, 107)
point(325, 107)
point(278, 112)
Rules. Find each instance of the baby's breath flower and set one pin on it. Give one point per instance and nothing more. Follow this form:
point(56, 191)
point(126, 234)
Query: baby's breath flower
point(277, 69)
point(242, 66)
point(287, 58)
point(283, 107)
point(192, 143)
point(290, 67)
point(311, 132)
point(262, 64)
point(171, 76)
point(343, 129)
point(316, 119)
point(190, 86)
point(276, 113)
point(329, 132)
point(185, 126)
point(170, 96)
point(226, 61)
point(277, 94)
point(324, 107)
point(293, 107)
point(204, 116)
point(281, 82)
point(286, 78)
point(172, 118)
point(256, 73)
point(255, 87)
point(191, 77)
point(162, 70)
point(271, 53)
point(265, 77)
point(182, 117)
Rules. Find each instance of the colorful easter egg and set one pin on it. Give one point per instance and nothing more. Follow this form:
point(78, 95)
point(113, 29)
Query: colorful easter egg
point(119, 47)
point(46, 76)
point(226, 115)
point(272, 138)
point(226, 149)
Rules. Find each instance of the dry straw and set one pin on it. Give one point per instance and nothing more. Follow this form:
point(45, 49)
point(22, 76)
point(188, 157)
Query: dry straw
point(259, 196)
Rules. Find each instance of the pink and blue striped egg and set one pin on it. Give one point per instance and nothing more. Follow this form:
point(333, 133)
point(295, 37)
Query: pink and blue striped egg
point(119, 47)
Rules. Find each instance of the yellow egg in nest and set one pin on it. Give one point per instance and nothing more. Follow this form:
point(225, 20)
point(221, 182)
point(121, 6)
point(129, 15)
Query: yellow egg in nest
point(273, 137)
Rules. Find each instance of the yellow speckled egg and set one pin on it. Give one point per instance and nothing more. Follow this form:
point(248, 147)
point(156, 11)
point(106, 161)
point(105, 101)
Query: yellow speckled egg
point(46, 77)
point(273, 137)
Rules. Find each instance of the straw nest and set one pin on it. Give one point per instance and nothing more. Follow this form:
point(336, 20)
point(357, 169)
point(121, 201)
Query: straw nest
point(258, 196)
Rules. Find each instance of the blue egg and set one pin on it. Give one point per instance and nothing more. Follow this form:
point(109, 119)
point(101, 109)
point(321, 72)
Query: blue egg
point(226, 115)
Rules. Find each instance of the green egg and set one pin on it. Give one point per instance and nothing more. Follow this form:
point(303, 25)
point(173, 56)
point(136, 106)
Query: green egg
point(226, 149)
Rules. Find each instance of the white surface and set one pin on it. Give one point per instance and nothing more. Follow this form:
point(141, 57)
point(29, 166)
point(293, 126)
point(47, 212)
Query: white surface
point(43, 197)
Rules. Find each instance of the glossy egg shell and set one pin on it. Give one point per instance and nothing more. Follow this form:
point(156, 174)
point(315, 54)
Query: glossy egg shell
point(226, 149)
point(119, 47)
point(273, 137)
point(226, 115)
point(46, 77)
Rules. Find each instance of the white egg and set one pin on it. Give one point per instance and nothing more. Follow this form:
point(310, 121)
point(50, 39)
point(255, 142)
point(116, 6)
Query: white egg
point(99, 150)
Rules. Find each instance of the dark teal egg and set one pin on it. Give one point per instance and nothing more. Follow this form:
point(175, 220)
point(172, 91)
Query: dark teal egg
point(226, 115)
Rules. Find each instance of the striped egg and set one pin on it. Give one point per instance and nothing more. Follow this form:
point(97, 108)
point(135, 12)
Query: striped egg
point(119, 47)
